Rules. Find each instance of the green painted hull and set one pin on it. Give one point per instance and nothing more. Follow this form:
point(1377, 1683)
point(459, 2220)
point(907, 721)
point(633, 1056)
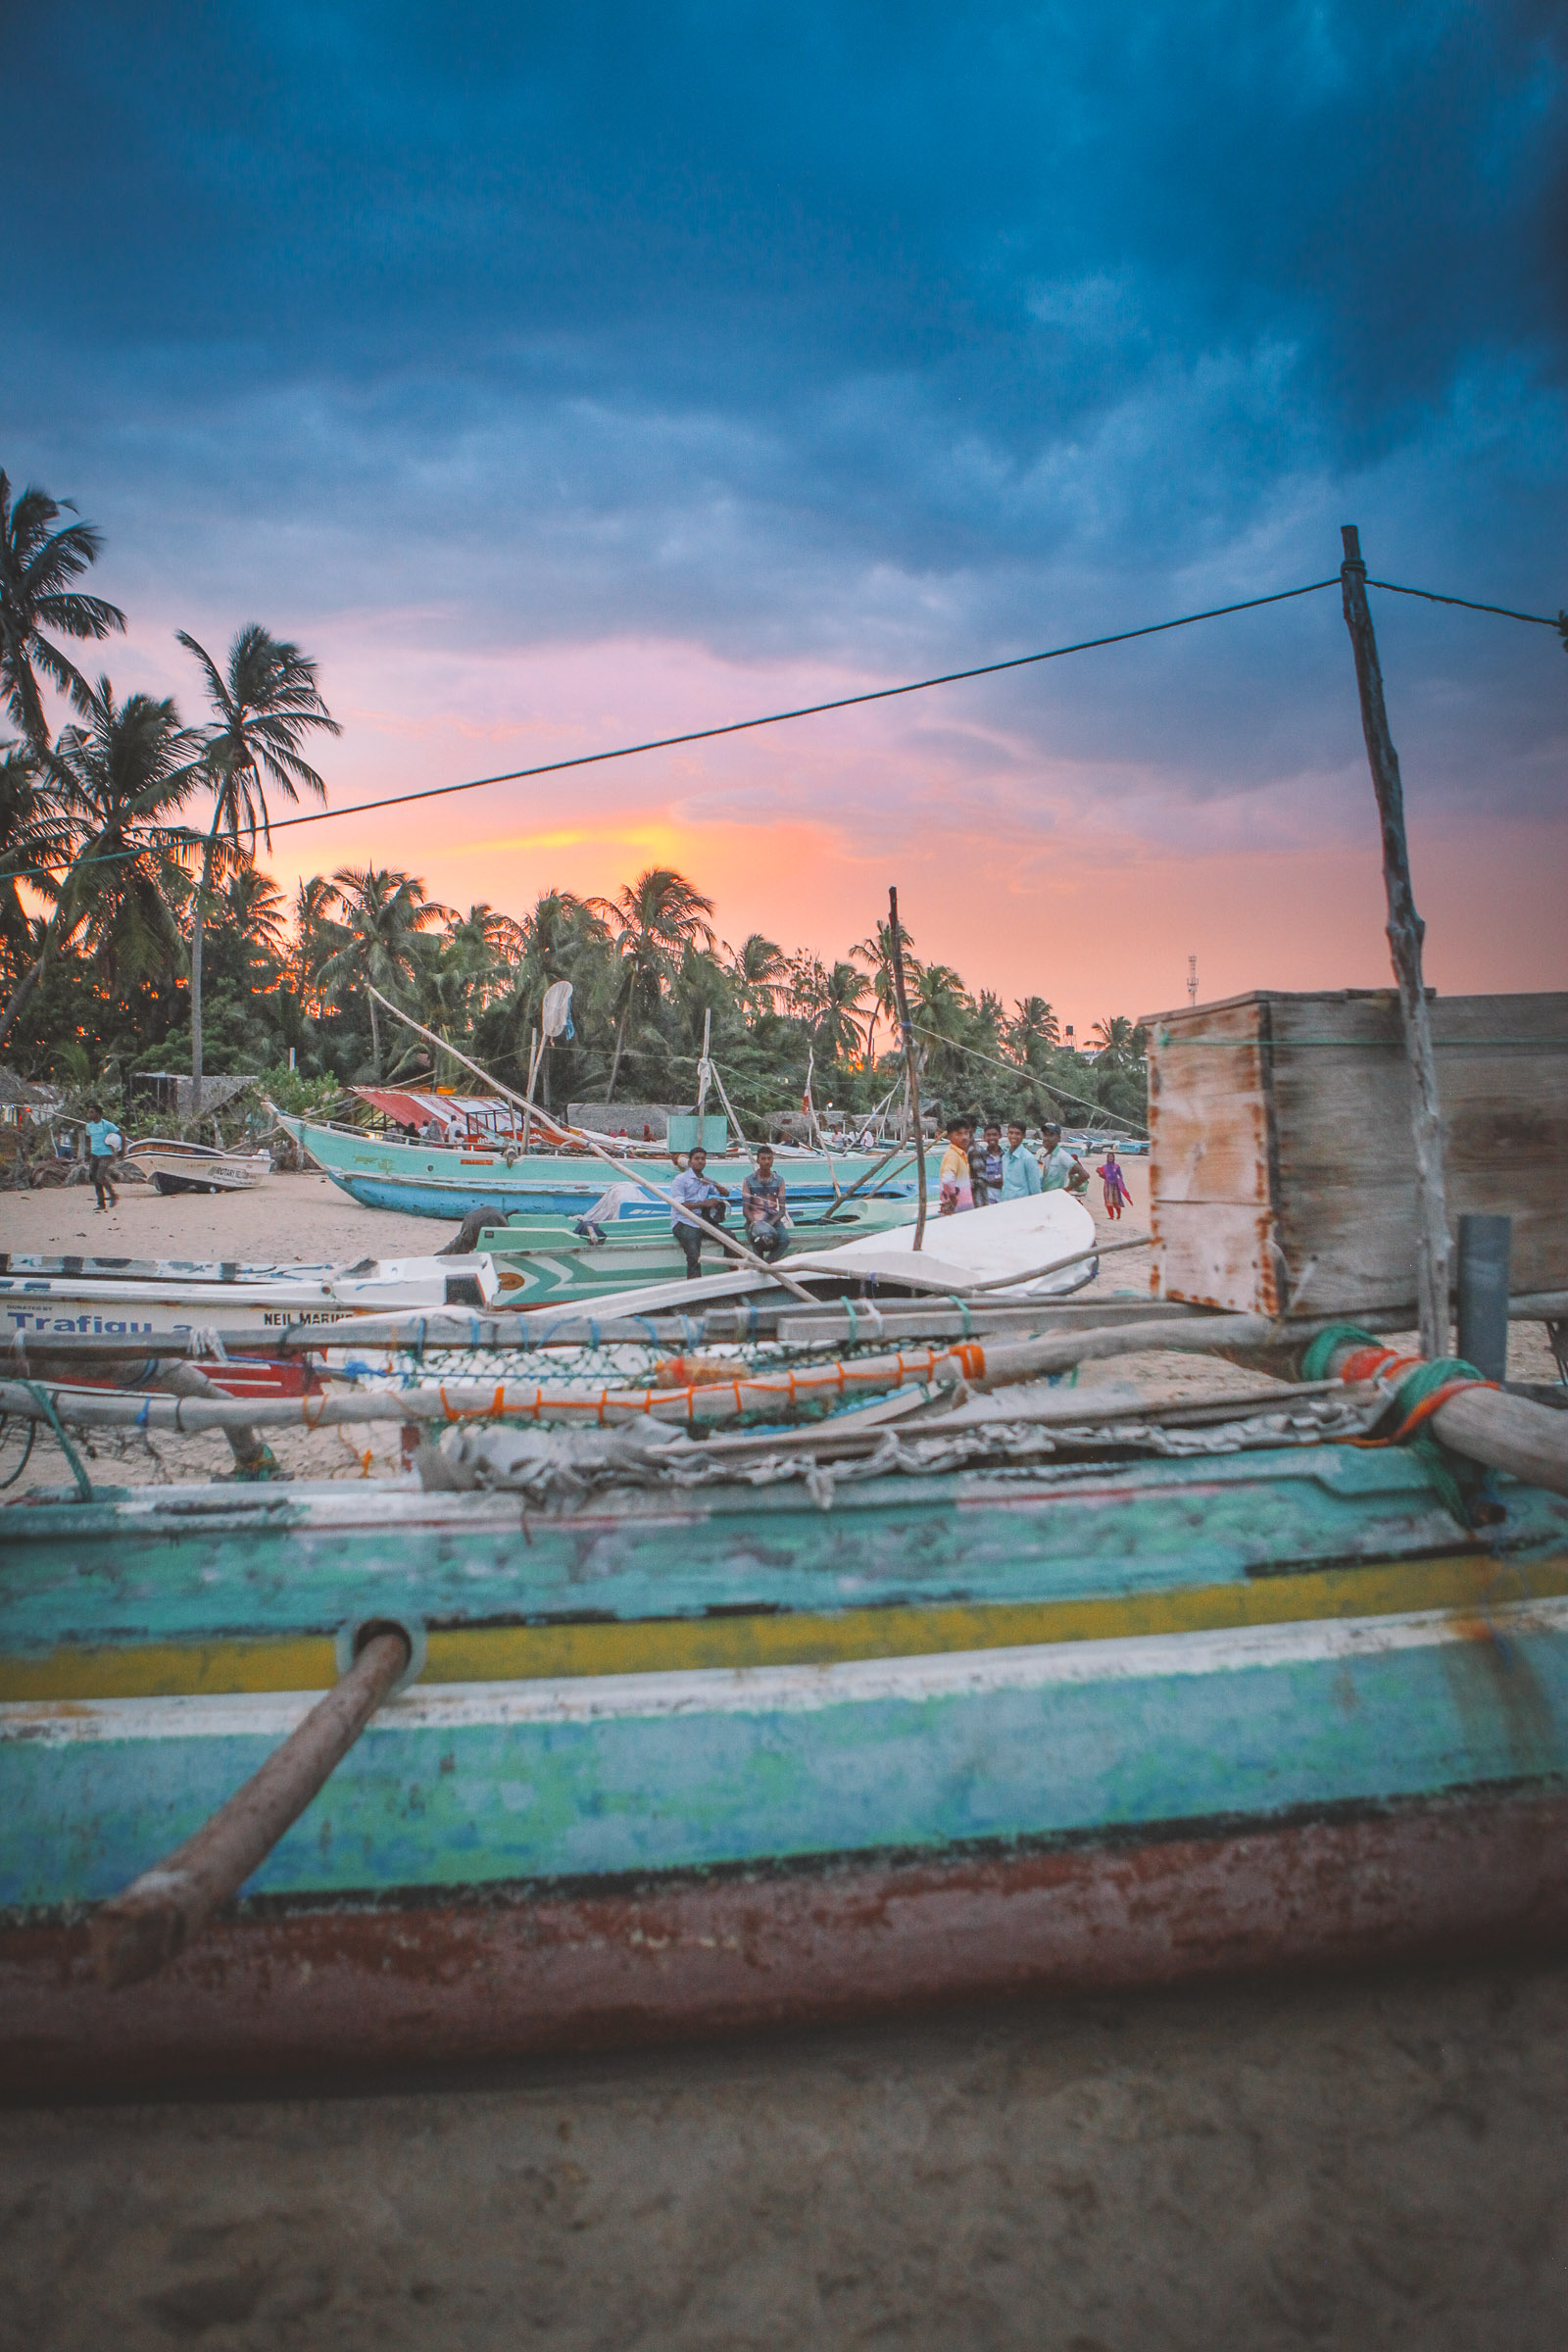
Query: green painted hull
point(546, 1259)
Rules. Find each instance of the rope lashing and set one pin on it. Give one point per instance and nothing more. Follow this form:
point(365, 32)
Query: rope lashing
point(1421, 1387)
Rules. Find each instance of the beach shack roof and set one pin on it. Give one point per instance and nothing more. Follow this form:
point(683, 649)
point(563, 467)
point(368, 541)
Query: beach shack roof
point(412, 1106)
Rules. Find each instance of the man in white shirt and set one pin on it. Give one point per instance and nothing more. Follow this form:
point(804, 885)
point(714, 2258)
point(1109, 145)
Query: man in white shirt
point(698, 1205)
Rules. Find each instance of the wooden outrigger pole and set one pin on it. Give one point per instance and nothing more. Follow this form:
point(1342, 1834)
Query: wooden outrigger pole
point(1405, 933)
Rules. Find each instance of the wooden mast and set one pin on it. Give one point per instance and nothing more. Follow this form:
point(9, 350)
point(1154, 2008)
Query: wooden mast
point(910, 1063)
point(1405, 932)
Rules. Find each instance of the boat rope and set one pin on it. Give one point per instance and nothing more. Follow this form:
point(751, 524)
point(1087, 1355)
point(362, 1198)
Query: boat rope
point(1421, 1386)
point(45, 1402)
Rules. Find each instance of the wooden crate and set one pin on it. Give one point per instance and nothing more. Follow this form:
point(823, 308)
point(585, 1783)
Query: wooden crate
point(1281, 1174)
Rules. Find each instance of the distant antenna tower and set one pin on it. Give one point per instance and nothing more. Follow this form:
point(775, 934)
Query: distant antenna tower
point(1192, 979)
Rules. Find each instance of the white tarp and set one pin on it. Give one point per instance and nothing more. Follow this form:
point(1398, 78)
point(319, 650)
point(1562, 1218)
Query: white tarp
point(977, 1245)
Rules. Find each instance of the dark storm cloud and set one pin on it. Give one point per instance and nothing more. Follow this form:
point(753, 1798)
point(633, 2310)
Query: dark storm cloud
point(885, 334)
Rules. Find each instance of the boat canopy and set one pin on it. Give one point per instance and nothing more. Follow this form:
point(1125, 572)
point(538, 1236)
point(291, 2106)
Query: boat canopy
point(411, 1107)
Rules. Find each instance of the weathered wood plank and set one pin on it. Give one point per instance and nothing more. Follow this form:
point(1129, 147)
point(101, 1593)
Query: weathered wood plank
point(1319, 1139)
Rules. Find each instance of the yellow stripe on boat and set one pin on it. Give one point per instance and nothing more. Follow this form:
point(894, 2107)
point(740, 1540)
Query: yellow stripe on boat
point(1468, 1582)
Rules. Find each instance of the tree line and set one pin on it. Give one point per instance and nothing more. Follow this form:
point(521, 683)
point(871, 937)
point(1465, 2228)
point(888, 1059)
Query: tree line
point(137, 932)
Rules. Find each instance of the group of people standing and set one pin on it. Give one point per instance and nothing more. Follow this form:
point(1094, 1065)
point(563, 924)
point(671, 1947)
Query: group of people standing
point(978, 1170)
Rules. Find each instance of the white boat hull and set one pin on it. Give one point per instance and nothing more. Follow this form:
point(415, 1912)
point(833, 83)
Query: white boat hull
point(168, 1306)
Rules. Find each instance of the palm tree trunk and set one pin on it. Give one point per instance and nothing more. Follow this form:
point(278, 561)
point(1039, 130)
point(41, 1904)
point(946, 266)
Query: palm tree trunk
point(375, 1039)
point(196, 983)
point(621, 1038)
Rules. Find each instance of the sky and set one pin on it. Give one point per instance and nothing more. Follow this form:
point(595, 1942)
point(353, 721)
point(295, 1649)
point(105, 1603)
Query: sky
point(559, 376)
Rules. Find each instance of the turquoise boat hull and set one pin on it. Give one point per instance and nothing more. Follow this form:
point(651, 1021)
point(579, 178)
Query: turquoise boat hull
point(427, 1180)
point(678, 1762)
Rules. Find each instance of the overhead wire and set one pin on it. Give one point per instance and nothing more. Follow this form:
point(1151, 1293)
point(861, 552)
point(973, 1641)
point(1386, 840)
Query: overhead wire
point(773, 719)
point(741, 727)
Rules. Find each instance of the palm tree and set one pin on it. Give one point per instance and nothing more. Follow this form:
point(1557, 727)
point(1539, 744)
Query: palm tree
point(263, 704)
point(37, 566)
point(940, 1014)
point(384, 915)
point(760, 969)
point(1034, 1026)
point(658, 917)
point(1113, 1039)
point(876, 954)
point(118, 780)
point(316, 935)
point(256, 911)
point(838, 1027)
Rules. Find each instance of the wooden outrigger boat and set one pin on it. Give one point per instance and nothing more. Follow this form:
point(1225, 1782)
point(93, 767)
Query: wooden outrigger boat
point(181, 1167)
point(676, 1751)
point(441, 1180)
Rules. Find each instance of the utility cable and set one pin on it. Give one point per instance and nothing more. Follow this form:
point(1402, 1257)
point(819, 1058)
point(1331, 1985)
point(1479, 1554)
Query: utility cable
point(775, 718)
point(1542, 621)
point(741, 727)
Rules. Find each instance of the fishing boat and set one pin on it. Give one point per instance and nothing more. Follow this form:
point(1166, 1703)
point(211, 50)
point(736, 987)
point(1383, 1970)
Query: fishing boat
point(542, 1260)
point(671, 1753)
point(439, 1180)
point(169, 1299)
point(174, 1166)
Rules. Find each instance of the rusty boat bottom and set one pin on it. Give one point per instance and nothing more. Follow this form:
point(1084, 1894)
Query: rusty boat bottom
point(315, 1990)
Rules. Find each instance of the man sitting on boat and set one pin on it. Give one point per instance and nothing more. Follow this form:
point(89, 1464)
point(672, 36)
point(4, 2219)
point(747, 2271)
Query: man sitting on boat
point(764, 1207)
point(699, 1204)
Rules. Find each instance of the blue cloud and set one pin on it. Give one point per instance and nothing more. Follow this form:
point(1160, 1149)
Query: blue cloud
point(887, 335)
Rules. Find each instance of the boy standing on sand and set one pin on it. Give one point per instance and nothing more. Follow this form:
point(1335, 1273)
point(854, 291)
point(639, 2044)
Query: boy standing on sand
point(104, 1140)
point(994, 1167)
point(953, 1174)
point(1058, 1165)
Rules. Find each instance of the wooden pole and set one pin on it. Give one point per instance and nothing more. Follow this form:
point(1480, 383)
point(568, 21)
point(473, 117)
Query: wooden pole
point(135, 1933)
point(1405, 933)
point(910, 1063)
point(534, 1050)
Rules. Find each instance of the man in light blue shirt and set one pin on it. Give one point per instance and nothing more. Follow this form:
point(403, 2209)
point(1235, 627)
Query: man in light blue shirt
point(104, 1140)
point(698, 1205)
point(1021, 1171)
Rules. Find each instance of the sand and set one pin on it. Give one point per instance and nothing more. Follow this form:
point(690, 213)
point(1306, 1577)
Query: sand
point(1366, 2163)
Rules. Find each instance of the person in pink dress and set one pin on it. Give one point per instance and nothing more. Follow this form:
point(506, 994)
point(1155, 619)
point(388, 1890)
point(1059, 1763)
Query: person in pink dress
point(1117, 1196)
